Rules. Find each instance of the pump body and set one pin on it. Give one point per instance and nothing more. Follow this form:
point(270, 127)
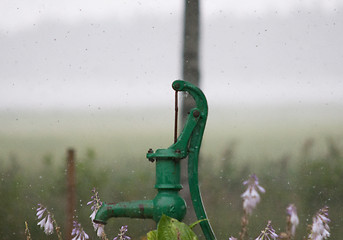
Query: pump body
point(168, 201)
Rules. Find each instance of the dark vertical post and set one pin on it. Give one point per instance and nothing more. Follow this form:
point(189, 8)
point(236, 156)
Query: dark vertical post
point(70, 207)
point(190, 74)
point(190, 71)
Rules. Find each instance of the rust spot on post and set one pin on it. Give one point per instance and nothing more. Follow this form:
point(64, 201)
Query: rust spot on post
point(141, 209)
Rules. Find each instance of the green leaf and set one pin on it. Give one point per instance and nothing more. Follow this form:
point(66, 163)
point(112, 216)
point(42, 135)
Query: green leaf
point(152, 235)
point(169, 229)
point(197, 222)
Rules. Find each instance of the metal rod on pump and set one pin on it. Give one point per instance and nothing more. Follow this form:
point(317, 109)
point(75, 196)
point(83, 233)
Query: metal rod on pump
point(176, 115)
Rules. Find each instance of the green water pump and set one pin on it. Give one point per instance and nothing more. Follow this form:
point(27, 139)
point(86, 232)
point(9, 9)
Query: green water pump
point(168, 201)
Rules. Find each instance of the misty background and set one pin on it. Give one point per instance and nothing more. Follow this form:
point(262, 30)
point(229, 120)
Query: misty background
point(103, 54)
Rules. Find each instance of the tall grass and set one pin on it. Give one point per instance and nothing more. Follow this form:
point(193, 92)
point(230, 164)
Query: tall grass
point(310, 184)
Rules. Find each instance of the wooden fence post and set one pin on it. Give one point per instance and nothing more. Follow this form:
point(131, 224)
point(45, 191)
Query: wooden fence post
point(70, 205)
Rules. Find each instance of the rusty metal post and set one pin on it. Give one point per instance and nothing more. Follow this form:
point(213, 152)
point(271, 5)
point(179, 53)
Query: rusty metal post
point(70, 206)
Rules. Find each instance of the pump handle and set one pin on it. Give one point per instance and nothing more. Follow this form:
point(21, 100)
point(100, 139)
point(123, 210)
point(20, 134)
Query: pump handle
point(200, 113)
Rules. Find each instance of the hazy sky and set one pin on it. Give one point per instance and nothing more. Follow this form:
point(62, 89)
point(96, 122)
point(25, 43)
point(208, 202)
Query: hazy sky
point(68, 54)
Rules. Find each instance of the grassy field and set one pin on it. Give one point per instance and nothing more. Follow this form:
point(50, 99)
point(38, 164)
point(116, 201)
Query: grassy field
point(258, 132)
point(297, 151)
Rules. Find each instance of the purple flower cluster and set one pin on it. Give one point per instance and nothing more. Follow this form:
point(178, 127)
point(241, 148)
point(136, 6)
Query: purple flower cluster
point(293, 218)
point(251, 196)
point(95, 201)
point(78, 233)
point(121, 235)
point(320, 226)
point(268, 233)
point(46, 219)
point(95, 205)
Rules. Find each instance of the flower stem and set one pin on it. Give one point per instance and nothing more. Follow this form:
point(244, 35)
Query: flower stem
point(288, 229)
point(104, 236)
point(57, 228)
point(244, 224)
point(27, 232)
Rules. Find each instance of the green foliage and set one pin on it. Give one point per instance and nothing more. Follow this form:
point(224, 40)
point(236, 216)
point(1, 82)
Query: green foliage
point(152, 235)
point(310, 181)
point(170, 228)
point(10, 191)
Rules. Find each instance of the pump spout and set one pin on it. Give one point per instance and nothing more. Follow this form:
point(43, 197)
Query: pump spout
point(167, 201)
point(132, 209)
